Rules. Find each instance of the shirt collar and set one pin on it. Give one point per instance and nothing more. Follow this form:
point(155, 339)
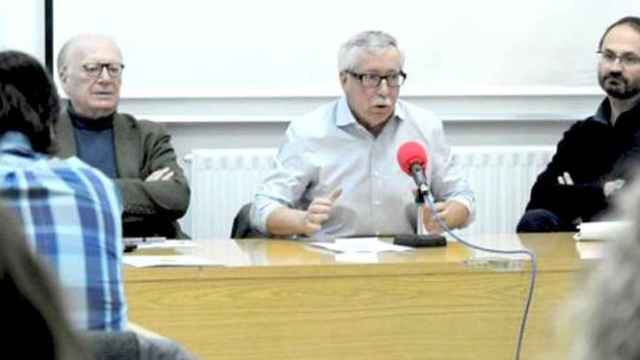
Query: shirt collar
point(344, 116)
point(85, 123)
point(15, 142)
point(603, 114)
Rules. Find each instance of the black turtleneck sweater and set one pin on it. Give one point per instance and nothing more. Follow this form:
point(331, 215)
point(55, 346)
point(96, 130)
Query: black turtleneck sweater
point(592, 151)
point(94, 141)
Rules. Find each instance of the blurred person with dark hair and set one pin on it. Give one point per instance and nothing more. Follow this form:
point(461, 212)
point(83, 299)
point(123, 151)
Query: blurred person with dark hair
point(136, 154)
point(70, 211)
point(29, 294)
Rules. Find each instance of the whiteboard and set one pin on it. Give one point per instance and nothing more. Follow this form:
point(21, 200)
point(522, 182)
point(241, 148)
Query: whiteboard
point(288, 48)
point(22, 27)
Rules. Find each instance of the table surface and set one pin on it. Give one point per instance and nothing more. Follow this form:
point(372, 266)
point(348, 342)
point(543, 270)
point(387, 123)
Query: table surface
point(284, 299)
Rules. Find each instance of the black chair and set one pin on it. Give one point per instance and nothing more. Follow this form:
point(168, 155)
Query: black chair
point(241, 228)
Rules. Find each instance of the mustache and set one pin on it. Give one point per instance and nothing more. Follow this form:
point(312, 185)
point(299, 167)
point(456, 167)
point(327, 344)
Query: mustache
point(614, 76)
point(381, 101)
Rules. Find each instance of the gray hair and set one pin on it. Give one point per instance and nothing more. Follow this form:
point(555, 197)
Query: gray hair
point(607, 309)
point(372, 42)
point(65, 50)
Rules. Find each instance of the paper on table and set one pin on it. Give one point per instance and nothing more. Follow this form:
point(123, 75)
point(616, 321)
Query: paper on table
point(167, 244)
point(166, 260)
point(367, 245)
point(601, 230)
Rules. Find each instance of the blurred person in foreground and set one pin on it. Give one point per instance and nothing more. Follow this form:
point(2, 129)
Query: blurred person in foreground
point(29, 295)
point(69, 211)
point(604, 320)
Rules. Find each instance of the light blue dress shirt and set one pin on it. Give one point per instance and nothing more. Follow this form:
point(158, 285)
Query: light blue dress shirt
point(328, 149)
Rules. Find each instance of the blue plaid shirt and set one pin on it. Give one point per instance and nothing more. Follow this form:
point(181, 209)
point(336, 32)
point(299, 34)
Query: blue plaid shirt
point(71, 214)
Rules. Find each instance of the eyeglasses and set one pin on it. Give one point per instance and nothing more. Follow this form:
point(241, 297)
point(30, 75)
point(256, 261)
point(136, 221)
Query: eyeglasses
point(626, 59)
point(374, 80)
point(94, 70)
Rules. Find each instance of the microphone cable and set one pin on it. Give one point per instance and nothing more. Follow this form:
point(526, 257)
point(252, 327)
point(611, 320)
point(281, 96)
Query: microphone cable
point(527, 252)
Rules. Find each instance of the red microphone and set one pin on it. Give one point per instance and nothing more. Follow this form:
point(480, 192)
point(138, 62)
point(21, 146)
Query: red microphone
point(413, 160)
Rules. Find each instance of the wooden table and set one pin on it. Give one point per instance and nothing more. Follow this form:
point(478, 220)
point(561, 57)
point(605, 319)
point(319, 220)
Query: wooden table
point(277, 299)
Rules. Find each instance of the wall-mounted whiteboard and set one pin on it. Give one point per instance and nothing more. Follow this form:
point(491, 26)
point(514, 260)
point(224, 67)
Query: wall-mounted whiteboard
point(274, 48)
point(22, 26)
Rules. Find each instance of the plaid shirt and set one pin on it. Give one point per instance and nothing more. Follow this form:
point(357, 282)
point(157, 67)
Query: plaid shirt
point(71, 214)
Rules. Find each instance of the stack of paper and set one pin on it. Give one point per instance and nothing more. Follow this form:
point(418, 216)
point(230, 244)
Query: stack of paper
point(167, 244)
point(360, 245)
point(601, 230)
point(359, 250)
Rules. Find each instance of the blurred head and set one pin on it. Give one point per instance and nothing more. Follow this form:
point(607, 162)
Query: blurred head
point(90, 70)
point(619, 67)
point(606, 310)
point(29, 102)
point(370, 65)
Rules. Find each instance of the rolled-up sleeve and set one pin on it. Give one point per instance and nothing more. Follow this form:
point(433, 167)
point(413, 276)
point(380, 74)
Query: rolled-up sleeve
point(286, 184)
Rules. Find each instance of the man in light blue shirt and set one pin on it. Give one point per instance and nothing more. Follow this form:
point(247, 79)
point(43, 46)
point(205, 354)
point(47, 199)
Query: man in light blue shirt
point(70, 212)
point(337, 174)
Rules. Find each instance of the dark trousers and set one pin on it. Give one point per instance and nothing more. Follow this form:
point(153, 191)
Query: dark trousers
point(541, 220)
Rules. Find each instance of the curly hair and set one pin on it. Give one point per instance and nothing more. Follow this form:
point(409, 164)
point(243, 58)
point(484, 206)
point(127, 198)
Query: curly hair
point(29, 101)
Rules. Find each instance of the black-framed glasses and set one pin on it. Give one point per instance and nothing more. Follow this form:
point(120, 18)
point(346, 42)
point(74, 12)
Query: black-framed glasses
point(95, 69)
point(626, 59)
point(374, 80)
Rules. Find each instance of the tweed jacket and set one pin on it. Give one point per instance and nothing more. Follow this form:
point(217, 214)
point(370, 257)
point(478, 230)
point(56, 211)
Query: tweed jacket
point(151, 208)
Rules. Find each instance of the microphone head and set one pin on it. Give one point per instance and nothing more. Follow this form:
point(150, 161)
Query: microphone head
point(411, 153)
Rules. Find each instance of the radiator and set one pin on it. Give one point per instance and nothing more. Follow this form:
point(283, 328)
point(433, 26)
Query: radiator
point(222, 180)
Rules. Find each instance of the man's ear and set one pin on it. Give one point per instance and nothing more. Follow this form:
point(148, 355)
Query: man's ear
point(63, 73)
point(343, 78)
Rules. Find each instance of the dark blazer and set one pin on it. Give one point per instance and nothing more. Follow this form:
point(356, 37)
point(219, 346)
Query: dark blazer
point(142, 147)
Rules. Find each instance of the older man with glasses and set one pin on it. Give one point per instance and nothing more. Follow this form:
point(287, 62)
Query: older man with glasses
point(597, 156)
point(337, 174)
point(137, 154)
